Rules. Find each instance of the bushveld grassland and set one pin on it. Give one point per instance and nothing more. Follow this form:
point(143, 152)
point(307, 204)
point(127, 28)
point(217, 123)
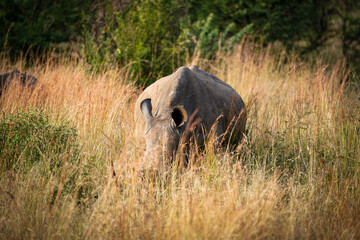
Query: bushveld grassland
point(296, 175)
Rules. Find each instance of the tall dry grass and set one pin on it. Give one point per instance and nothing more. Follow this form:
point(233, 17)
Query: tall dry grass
point(295, 176)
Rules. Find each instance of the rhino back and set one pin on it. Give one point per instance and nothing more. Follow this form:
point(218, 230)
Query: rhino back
point(211, 97)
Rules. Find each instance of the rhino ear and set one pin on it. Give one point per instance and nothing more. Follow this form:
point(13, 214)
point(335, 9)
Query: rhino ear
point(146, 108)
point(179, 115)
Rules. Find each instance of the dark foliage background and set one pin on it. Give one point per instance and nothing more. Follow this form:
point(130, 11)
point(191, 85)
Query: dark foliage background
point(152, 37)
point(37, 24)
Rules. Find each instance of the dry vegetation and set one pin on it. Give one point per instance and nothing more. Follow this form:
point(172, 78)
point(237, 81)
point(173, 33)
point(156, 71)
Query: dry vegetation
point(295, 176)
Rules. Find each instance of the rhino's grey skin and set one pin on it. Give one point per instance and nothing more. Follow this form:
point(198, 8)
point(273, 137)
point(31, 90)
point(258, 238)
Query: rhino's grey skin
point(174, 103)
point(25, 80)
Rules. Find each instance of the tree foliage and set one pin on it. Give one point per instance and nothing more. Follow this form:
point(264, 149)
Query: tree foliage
point(306, 26)
point(143, 35)
point(37, 24)
point(153, 37)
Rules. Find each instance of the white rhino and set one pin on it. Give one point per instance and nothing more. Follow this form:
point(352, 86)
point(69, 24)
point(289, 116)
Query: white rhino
point(183, 107)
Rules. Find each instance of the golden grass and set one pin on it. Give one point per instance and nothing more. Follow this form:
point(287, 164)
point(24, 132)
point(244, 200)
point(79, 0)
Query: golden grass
point(295, 176)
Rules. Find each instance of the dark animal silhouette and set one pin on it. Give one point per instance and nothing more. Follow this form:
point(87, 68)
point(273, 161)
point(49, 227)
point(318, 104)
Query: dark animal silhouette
point(25, 80)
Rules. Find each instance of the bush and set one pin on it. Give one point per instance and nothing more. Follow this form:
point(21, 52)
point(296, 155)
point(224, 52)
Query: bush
point(144, 36)
point(153, 38)
point(210, 38)
point(27, 137)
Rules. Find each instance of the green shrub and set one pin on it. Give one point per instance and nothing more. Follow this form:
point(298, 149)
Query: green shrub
point(145, 37)
point(28, 137)
point(153, 38)
point(210, 38)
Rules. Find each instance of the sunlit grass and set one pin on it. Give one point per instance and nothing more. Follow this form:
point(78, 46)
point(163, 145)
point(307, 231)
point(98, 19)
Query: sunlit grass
point(295, 175)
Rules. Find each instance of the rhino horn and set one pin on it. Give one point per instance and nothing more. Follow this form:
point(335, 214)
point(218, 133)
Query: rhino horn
point(179, 115)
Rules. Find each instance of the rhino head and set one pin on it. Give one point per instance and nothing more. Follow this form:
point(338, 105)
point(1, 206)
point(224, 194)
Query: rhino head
point(163, 131)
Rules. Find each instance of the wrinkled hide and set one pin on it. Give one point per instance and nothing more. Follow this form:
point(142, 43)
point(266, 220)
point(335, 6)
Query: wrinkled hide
point(189, 99)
